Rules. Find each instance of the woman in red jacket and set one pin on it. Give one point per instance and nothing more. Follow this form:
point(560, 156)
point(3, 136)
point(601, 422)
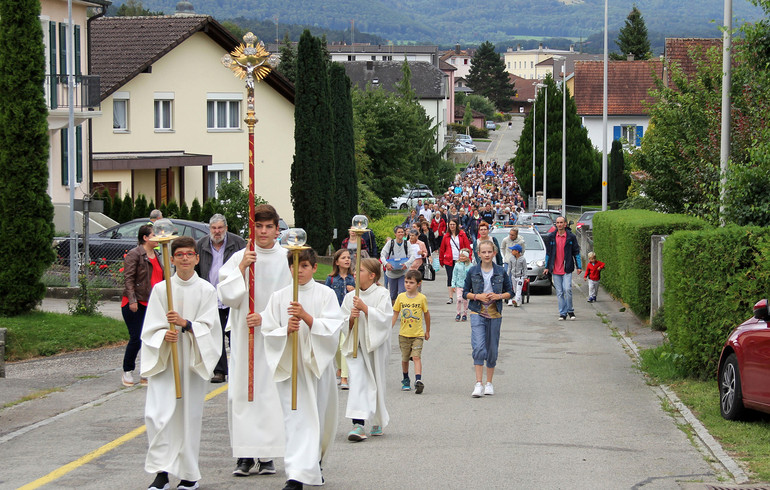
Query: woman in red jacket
point(438, 225)
point(454, 240)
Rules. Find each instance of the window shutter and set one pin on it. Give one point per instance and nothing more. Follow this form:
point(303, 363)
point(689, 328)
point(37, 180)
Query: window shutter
point(616, 135)
point(63, 49)
point(639, 132)
point(52, 63)
point(79, 154)
point(64, 169)
point(77, 50)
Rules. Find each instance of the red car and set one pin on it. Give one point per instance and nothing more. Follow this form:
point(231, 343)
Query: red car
point(744, 367)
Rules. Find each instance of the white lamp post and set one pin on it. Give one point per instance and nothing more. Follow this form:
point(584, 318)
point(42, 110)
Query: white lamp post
point(724, 153)
point(604, 115)
point(532, 203)
point(545, 145)
point(563, 60)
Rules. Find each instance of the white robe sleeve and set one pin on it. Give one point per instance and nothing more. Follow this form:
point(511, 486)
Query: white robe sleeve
point(232, 288)
point(206, 329)
point(155, 350)
point(373, 329)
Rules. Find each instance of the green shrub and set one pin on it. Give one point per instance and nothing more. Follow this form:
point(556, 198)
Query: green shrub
point(369, 204)
point(473, 131)
point(622, 241)
point(383, 228)
point(713, 278)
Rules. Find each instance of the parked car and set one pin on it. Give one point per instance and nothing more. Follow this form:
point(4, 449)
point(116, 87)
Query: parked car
point(541, 222)
point(460, 148)
point(115, 241)
point(553, 213)
point(586, 221)
point(744, 370)
point(409, 199)
point(491, 125)
point(464, 137)
point(534, 252)
point(466, 144)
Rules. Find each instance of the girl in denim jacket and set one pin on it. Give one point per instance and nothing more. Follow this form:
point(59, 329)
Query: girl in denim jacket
point(486, 287)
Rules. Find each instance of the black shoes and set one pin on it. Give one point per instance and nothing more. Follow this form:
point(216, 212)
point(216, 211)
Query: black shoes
point(218, 378)
point(244, 466)
point(292, 485)
point(265, 467)
point(160, 482)
point(418, 386)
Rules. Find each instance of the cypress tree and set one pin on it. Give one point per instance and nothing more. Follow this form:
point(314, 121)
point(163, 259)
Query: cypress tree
point(184, 211)
point(126, 209)
point(107, 203)
point(117, 205)
point(140, 207)
point(25, 205)
point(150, 207)
point(208, 210)
point(616, 187)
point(312, 171)
point(163, 210)
point(344, 150)
point(632, 38)
point(195, 210)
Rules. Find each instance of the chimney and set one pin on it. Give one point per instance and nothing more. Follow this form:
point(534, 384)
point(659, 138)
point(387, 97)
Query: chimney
point(457, 48)
point(630, 57)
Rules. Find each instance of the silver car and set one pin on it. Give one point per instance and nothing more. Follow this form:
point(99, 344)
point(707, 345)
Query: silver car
point(534, 252)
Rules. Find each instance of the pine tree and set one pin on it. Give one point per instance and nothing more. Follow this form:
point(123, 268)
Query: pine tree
point(140, 207)
point(126, 209)
point(184, 211)
point(105, 197)
point(27, 224)
point(616, 186)
point(117, 204)
point(583, 160)
point(195, 210)
point(344, 149)
point(632, 38)
point(172, 209)
point(150, 207)
point(488, 77)
point(312, 172)
point(288, 64)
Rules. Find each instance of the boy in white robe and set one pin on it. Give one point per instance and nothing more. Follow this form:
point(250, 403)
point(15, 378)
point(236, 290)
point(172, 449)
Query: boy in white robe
point(256, 427)
point(368, 371)
point(174, 425)
point(316, 319)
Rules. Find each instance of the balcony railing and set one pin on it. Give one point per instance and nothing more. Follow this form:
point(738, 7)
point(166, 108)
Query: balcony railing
point(86, 95)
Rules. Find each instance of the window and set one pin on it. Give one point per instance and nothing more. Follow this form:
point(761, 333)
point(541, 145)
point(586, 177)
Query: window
point(220, 173)
point(630, 134)
point(223, 114)
point(531, 64)
point(163, 111)
point(465, 61)
point(120, 112)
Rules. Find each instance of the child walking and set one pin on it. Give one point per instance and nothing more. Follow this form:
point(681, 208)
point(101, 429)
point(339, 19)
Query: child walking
point(316, 318)
point(593, 273)
point(459, 272)
point(368, 371)
point(486, 286)
point(341, 281)
point(174, 425)
point(517, 268)
point(412, 307)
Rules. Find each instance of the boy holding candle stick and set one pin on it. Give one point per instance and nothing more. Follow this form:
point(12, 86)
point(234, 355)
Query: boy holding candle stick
point(316, 319)
point(174, 425)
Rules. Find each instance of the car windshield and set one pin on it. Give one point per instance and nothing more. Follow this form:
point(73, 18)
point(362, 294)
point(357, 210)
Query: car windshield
point(127, 230)
point(586, 218)
point(532, 242)
point(541, 220)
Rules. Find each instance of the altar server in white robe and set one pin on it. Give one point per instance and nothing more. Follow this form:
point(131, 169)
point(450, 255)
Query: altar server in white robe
point(317, 319)
point(256, 427)
point(174, 425)
point(368, 371)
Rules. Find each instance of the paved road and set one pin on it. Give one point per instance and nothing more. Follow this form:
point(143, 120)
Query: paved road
point(570, 411)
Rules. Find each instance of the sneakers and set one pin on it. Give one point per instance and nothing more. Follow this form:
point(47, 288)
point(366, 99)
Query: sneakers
point(128, 379)
point(187, 485)
point(510, 302)
point(344, 385)
point(405, 385)
point(292, 485)
point(265, 467)
point(590, 299)
point(489, 389)
point(571, 315)
point(464, 318)
point(376, 430)
point(243, 466)
point(562, 317)
point(160, 482)
point(418, 387)
point(451, 300)
point(357, 434)
point(478, 390)
point(143, 381)
point(457, 318)
point(218, 378)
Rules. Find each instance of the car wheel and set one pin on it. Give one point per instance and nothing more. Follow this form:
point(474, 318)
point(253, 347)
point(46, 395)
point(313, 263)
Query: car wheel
point(403, 206)
point(730, 395)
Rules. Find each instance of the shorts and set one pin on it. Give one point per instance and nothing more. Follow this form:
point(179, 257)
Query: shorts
point(410, 347)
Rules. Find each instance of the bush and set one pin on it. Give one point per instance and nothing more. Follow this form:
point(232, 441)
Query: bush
point(713, 278)
point(195, 210)
point(622, 241)
point(474, 132)
point(383, 228)
point(369, 204)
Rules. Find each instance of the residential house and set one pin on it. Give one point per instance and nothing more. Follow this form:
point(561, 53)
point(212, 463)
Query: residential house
point(389, 52)
point(428, 82)
point(449, 71)
point(525, 63)
point(174, 115)
point(684, 52)
point(526, 90)
point(478, 119)
point(628, 85)
point(54, 20)
point(460, 59)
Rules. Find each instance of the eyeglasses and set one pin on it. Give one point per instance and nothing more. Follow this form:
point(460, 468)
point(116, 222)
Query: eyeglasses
point(189, 255)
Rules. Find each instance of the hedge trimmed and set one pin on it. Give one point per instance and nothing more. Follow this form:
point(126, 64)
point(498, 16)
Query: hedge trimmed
point(713, 278)
point(383, 228)
point(622, 242)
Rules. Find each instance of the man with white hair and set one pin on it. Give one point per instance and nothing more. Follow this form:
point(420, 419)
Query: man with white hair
point(213, 251)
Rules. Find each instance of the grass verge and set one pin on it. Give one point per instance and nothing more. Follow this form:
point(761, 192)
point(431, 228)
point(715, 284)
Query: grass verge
point(747, 441)
point(322, 271)
point(44, 334)
point(32, 396)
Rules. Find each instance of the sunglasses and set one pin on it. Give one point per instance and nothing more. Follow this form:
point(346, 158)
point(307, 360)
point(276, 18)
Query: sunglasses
point(189, 255)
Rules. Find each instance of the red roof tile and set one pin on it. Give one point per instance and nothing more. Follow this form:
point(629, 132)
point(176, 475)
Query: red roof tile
point(628, 84)
point(684, 52)
point(525, 87)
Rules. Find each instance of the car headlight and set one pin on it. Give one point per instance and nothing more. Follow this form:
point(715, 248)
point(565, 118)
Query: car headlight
point(540, 263)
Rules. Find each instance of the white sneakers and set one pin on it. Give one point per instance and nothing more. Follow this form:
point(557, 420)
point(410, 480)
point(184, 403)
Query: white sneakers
point(489, 389)
point(478, 390)
point(128, 379)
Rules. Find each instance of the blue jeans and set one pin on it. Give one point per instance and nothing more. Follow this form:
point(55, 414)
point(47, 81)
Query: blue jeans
point(396, 286)
point(563, 285)
point(485, 337)
point(134, 322)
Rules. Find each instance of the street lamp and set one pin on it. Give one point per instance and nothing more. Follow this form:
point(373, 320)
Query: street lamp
point(604, 113)
point(545, 147)
point(563, 60)
point(532, 203)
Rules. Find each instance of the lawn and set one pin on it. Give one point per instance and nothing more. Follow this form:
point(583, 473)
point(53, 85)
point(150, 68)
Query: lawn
point(44, 334)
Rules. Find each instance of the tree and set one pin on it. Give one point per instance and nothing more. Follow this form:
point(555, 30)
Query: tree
point(135, 8)
point(617, 185)
point(184, 211)
point(117, 204)
point(126, 209)
point(105, 197)
point(632, 38)
point(467, 115)
point(233, 202)
point(195, 210)
point(344, 149)
point(288, 64)
point(488, 77)
point(25, 205)
point(583, 160)
point(312, 171)
point(140, 207)
point(172, 210)
point(478, 103)
point(207, 211)
point(237, 31)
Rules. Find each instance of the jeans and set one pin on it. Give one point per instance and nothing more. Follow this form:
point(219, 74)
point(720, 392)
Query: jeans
point(134, 321)
point(396, 286)
point(563, 285)
point(449, 271)
point(485, 337)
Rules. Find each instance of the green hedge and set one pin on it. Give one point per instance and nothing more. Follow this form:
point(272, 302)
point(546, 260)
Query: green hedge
point(713, 278)
point(473, 131)
point(622, 242)
point(383, 228)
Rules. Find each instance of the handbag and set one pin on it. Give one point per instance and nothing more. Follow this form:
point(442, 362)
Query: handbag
point(428, 274)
